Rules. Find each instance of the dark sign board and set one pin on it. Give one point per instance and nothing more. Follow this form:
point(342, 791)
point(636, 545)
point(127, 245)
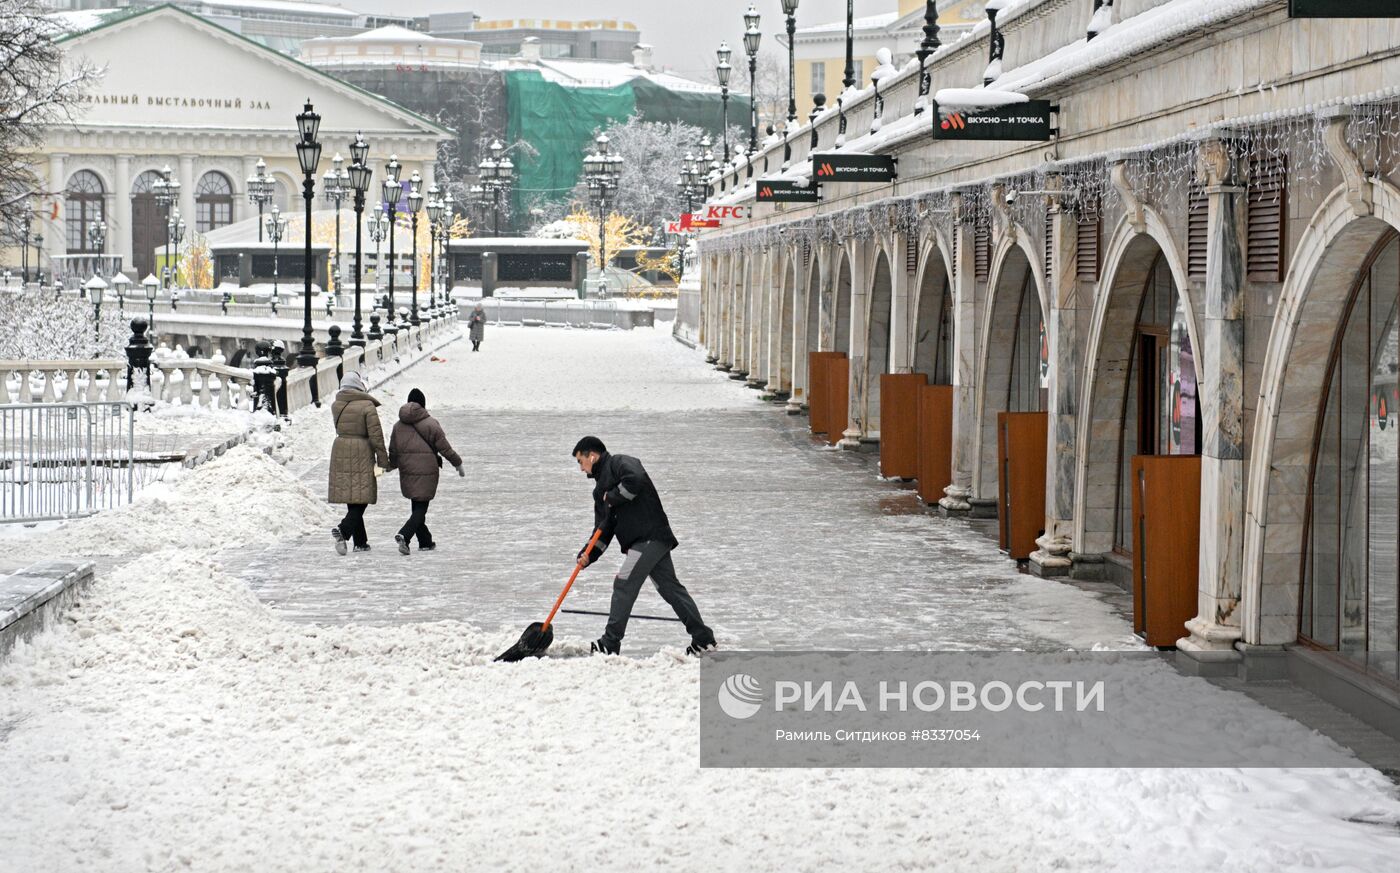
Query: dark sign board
point(1029, 122)
point(1344, 8)
point(785, 191)
point(839, 167)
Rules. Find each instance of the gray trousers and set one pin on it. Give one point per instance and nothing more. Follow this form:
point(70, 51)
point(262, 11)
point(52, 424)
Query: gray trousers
point(652, 559)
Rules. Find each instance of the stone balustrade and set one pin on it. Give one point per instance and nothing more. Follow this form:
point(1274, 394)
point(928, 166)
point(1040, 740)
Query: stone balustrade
point(30, 381)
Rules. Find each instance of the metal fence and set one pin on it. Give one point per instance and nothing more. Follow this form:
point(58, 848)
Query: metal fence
point(64, 460)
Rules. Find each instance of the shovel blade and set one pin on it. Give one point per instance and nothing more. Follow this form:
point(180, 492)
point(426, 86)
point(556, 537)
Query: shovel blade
point(532, 643)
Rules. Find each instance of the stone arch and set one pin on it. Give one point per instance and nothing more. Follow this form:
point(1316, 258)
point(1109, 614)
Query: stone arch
point(879, 309)
point(1014, 283)
point(931, 327)
point(782, 379)
point(1128, 259)
point(1316, 290)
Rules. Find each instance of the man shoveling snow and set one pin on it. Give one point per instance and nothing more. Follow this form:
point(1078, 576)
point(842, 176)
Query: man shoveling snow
point(626, 506)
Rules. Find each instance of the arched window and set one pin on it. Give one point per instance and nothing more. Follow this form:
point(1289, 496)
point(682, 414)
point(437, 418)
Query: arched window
point(213, 199)
point(1351, 580)
point(147, 223)
point(82, 209)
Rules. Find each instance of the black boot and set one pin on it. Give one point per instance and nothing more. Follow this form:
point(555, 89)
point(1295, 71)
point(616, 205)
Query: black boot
point(601, 646)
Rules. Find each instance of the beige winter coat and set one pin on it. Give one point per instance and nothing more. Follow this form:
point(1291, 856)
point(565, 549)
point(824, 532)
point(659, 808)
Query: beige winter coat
point(359, 445)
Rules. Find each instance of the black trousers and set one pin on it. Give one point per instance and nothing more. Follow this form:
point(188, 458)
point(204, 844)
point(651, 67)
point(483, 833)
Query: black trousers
point(352, 526)
point(652, 559)
point(417, 524)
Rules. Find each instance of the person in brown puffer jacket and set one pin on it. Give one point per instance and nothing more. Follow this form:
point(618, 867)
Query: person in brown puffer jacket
point(359, 445)
point(416, 448)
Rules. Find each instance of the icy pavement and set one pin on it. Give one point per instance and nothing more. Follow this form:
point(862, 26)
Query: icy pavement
point(176, 722)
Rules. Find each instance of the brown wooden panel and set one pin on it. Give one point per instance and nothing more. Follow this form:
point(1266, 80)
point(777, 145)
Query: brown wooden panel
point(1166, 545)
point(935, 441)
point(1021, 452)
point(838, 385)
point(818, 395)
point(899, 423)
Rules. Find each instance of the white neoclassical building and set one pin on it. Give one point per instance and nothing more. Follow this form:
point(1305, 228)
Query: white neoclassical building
point(182, 92)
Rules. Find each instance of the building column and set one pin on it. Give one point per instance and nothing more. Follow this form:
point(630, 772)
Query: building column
point(122, 238)
point(779, 371)
point(760, 293)
point(738, 323)
point(803, 264)
point(187, 184)
point(859, 343)
point(957, 496)
point(1052, 556)
point(901, 350)
point(1216, 627)
point(56, 237)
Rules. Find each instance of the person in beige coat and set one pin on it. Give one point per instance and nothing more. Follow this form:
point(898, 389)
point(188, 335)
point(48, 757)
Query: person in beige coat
point(359, 446)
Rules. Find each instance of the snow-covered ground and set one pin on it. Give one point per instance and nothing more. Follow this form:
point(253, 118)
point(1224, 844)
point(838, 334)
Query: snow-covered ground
point(174, 722)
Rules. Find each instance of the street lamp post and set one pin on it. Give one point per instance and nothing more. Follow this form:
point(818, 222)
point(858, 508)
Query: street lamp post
point(790, 10)
point(97, 237)
point(376, 234)
point(260, 192)
point(121, 283)
point(359, 183)
point(602, 170)
point(752, 37)
point(309, 156)
point(24, 254)
point(849, 79)
point(276, 224)
point(392, 189)
point(496, 173)
point(434, 221)
point(152, 286)
point(166, 190)
point(95, 286)
point(929, 45)
point(175, 234)
point(722, 71)
point(335, 187)
point(449, 213)
point(415, 204)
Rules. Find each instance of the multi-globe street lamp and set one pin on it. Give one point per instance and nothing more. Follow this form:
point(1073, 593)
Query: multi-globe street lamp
point(434, 208)
point(449, 215)
point(166, 190)
point(392, 189)
point(175, 234)
point(602, 170)
point(308, 156)
point(97, 241)
point(415, 205)
point(722, 71)
point(260, 190)
point(496, 173)
point(376, 226)
point(335, 187)
point(359, 183)
point(276, 225)
point(752, 37)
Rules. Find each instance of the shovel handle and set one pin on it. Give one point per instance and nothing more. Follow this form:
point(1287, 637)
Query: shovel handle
point(572, 576)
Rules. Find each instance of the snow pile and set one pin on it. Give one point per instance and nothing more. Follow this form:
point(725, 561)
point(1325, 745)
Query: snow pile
point(242, 497)
point(186, 727)
point(978, 98)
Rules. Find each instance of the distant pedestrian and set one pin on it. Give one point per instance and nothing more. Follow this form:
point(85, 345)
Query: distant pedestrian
point(626, 505)
point(359, 446)
point(416, 449)
point(477, 325)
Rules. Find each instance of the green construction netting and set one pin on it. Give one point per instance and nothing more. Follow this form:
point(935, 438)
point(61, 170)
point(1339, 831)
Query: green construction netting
point(559, 122)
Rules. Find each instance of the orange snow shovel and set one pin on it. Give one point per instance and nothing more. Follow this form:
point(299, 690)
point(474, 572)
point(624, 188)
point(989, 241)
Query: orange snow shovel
point(537, 636)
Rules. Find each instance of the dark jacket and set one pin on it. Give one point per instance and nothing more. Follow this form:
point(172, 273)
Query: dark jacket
point(359, 445)
point(414, 446)
point(626, 505)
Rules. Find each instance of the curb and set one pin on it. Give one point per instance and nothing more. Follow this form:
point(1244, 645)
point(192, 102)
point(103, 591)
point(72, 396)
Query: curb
point(31, 599)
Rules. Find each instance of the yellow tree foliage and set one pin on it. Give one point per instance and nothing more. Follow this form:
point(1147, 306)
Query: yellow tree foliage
point(619, 230)
point(662, 263)
point(196, 264)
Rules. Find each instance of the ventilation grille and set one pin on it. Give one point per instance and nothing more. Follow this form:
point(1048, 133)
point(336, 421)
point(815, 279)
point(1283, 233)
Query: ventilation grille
point(1087, 260)
point(1267, 203)
point(911, 256)
point(981, 251)
point(1049, 243)
point(1197, 231)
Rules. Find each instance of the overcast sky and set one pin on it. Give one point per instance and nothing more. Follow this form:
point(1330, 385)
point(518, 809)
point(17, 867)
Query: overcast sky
point(685, 32)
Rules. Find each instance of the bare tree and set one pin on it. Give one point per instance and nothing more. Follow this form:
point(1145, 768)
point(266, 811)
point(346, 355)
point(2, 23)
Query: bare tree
point(653, 154)
point(39, 86)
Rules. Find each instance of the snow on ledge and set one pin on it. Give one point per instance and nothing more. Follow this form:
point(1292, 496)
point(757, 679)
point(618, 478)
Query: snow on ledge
point(981, 98)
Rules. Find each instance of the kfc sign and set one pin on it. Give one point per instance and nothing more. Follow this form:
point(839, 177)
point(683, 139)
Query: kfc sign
point(726, 214)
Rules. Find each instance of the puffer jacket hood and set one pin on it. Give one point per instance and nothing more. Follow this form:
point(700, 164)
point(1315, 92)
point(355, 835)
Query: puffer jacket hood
point(350, 395)
point(412, 413)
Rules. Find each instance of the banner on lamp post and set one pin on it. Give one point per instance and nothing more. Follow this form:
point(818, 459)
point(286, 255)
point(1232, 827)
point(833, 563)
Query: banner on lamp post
point(786, 191)
point(1022, 122)
point(852, 167)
